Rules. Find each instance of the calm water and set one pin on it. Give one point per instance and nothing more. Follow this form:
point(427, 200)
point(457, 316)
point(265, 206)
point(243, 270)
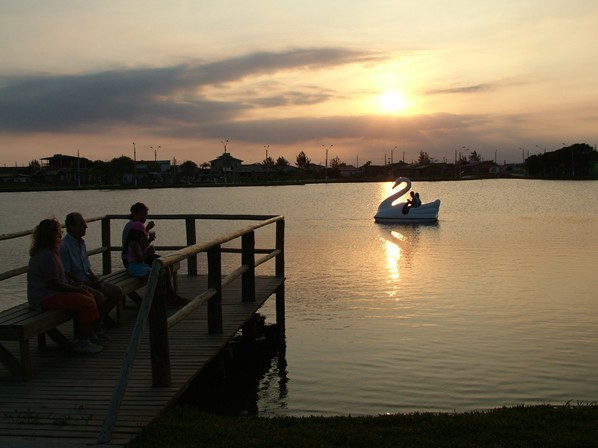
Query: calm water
point(496, 305)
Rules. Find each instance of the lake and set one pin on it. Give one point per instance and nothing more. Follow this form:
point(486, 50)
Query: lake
point(496, 305)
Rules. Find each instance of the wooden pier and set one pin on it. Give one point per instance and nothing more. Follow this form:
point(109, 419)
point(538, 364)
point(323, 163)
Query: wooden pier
point(106, 399)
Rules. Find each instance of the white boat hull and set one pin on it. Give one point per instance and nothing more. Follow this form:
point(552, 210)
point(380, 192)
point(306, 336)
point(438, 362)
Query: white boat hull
point(425, 213)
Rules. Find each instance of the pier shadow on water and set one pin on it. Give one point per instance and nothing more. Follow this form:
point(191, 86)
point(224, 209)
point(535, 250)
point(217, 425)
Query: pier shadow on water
point(230, 384)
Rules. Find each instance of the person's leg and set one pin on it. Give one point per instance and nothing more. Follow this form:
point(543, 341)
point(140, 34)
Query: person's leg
point(173, 298)
point(101, 302)
point(114, 297)
point(85, 306)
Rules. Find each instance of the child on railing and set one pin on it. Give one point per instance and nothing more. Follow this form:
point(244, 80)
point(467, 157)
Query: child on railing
point(138, 249)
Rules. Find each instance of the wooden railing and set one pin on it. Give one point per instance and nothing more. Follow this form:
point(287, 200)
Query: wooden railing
point(153, 306)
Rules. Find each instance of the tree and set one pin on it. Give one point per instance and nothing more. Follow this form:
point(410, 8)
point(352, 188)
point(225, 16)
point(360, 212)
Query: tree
point(578, 161)
point(268, 162)
point(120, 166)
point(188, 169)
point(302, 161)
point(281, 162)
point(475, 156)
point(99, 172)
point(34, 166)
point(336, 162)
point(424, 158)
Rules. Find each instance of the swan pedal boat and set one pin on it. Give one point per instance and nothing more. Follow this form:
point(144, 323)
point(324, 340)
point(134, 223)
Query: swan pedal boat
point(391, 212)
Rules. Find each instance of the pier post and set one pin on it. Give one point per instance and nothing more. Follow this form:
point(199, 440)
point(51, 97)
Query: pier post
point(159, 348)
point(280, 293)
point(248, 259)
point(191, 240)
point(280, 246)
point(107, 254)
point(215, 325)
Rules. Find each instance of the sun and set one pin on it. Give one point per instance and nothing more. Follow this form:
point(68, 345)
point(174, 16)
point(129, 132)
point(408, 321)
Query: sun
point(392, 101)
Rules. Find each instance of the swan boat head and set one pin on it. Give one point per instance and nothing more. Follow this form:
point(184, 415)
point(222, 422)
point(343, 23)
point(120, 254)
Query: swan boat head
point(392, 211)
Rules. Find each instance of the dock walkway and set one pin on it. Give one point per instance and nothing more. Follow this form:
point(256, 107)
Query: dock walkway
point(107, 399)
point(68, 399)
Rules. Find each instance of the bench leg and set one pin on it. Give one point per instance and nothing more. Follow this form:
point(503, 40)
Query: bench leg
point(41, 341)
point(136, 298)
point(12, 364)
point(26, 369)
point(58, 337)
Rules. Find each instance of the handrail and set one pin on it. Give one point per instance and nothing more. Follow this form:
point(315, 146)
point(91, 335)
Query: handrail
point(10, 236)
point(130, 355)
point(175, 257)
point(211, 294)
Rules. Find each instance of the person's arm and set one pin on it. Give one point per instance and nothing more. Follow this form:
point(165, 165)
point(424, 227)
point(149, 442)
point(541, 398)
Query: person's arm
point(58, 285)
point(94, 280)
point(73, 280)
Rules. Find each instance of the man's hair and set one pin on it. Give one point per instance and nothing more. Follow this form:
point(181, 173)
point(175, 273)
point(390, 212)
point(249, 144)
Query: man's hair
point(71, 220)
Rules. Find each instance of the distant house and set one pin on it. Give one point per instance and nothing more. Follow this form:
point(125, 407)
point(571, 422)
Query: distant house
point(429, 171)
point(10, 175)
point(61, 169)
point(60, 161)
point(349, 171)
point(249, 172)
point(479, 168)
point(224, 166)
point(150, 171)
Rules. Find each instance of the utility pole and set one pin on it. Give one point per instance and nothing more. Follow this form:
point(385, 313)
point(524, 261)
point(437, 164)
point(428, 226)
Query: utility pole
point(155, 153)
point(267, 162)
point(326, 172)
point(134, 164)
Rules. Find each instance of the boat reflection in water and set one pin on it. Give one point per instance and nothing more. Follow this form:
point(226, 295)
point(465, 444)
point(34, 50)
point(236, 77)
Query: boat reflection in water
point(400, 244)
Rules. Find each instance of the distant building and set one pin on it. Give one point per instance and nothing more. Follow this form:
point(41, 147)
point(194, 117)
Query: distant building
point(223, 167)
point(59, 162)
point(349, 171)
point(10, 175)
point(479, 168)
point(61, 169)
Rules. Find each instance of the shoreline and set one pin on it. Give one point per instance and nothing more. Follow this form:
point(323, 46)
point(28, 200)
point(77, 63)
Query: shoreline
point(538, 426)
point(36, 188)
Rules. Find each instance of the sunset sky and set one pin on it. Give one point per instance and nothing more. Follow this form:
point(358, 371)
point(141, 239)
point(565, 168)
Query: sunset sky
point(375, 79)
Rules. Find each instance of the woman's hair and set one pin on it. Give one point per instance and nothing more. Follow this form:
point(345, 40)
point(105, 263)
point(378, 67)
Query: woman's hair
point(136, 208)
point(44, 236)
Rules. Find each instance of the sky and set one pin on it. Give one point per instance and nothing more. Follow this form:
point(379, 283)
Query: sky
point(376, 80)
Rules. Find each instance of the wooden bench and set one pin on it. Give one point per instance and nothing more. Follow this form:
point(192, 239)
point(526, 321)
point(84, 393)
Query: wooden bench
point(129, 286)
point(20, 323)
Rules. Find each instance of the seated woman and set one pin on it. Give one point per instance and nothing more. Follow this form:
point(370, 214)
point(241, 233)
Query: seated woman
point(49, 288)
point(138, 250)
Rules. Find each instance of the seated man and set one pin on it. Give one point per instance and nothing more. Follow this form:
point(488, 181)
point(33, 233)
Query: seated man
point(73, 254)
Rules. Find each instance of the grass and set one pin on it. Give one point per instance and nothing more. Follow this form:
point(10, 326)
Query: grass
point(521, 426)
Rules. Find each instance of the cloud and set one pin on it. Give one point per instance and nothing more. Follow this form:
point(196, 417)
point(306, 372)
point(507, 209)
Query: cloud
point(478, 88)
point(152, 97)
